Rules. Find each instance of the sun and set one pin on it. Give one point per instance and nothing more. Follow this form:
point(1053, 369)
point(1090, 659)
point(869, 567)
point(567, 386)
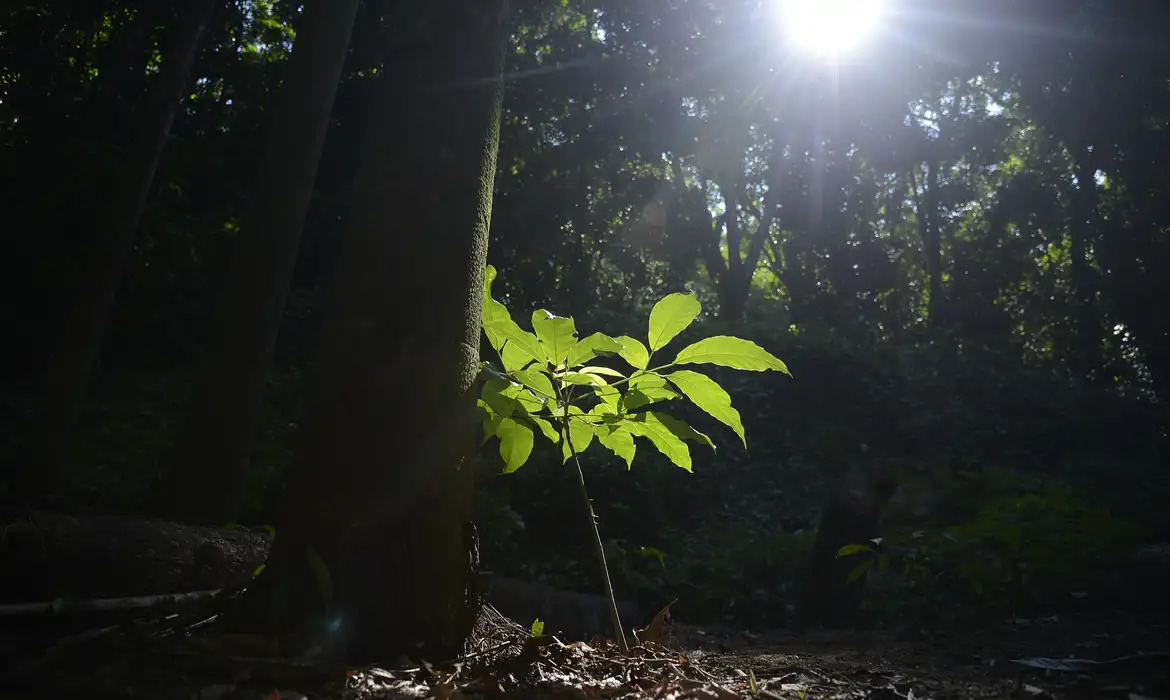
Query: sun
point(829, 27)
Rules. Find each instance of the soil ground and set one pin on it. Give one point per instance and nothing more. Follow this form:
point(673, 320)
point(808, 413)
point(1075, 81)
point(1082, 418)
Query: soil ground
point(169, 648)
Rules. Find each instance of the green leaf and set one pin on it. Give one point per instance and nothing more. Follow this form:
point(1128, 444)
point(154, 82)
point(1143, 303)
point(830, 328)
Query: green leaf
point(684, 431)
point(582, 379)
point(606, 371)
point(516, 357)
point(850, 549)
point(490, 425)
point(537, 381)
point(516, 440)
point(859, 570)
point(590, 347)
point(728, 351)
point(608, 395)
point(650, 427)
point(516, 346)
point(581, 434)
point(619, 441)
point(670, 316)
point(537, 629)
point(495, 394)
point(706, 393)
point(531, 403)
point(654, 552)
point(646, 389)
point(557, 334)
point(634, 352)
point(547, 428)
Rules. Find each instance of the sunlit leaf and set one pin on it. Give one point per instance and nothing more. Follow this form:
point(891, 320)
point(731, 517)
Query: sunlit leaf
point(646, 389)
point(546, 428)
point(582, 379)
point(670, 316)
point(529, 401)
point(728, 351)
point(537, 629)
point(495, 394)
point(516, 356)
point(608, 395)
point(710, 397)
point(684, 431)
point(516, 440)
point(581, 435)
point(633, 351)
point(537, 381)
point(490, 423)
point(605, 371)
point(590, 347)
point(519, 346)
point(648, 425)
point(619, 440)
point(557, 334)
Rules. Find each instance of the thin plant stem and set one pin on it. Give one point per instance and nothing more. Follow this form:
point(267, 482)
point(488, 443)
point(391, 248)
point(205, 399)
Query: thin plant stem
point(615, 619)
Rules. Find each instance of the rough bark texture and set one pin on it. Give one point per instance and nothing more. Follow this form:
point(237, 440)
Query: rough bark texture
point(212, 459)
point(76, 350)
point(380, 489)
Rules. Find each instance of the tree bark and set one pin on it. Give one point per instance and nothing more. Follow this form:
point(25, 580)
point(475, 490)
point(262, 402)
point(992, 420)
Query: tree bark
point(926, 206)
point(71, 362)
point(211, 463)
point(380, 491)
point(852, 516)
point(1087, 356)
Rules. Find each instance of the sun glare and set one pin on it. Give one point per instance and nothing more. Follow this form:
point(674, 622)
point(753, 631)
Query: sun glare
point(829, 27)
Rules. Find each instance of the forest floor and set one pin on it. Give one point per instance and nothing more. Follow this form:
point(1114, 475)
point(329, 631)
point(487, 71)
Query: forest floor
point(169, 658)
point(167, 648)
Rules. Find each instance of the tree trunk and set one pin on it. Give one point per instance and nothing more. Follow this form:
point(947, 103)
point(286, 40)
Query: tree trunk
point(1087, 355)
point(211, 464)
point(380, 491)
point(926, 208)
point(852, 515)
point(76, 350)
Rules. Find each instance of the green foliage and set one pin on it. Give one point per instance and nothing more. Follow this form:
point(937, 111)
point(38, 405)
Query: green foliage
point(1018, 549)
point(543, 380)
point(537, 628)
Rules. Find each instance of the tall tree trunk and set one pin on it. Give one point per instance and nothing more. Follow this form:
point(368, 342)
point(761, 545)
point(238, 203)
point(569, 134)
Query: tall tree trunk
point(211, 464)
point(1087, 356)
point(380, 490)
point(926, 203)
point(70, 363)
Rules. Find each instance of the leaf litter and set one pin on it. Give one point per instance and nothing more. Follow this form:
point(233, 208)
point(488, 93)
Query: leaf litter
point(179, 656)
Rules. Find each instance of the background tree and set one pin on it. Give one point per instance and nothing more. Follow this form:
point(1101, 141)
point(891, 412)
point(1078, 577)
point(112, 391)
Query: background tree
point(207, 479)
point(946, 160)
point(72, 358)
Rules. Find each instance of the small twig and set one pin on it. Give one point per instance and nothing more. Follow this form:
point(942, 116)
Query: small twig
point(65, 606)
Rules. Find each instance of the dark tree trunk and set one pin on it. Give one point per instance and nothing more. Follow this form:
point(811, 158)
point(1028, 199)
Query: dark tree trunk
point(211, 464)
point(75, 351)
point(1087, 355)
point(926, 209)
point(380, 490)
point(852, 516)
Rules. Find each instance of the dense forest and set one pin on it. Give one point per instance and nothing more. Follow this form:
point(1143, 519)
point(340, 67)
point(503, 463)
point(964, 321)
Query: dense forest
point(245, 253)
